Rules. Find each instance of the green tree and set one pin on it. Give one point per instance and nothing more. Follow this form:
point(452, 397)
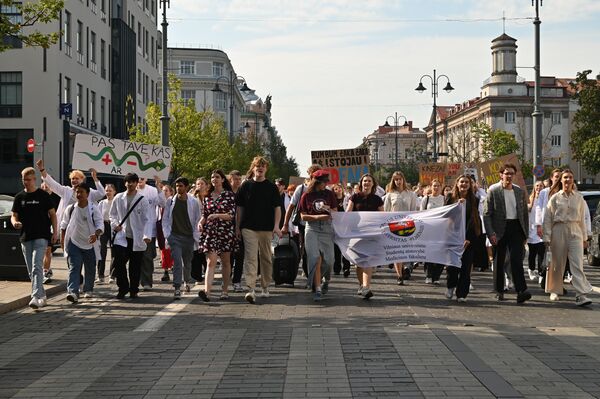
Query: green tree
point(585, 138)
point(495, 143)
point(198, 139)
point(280, 164)
point(31, 13)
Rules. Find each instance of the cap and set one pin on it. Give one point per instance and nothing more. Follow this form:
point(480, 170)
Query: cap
point(321, 174)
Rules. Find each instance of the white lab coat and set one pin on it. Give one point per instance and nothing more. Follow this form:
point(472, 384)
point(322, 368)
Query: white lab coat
point(193, 213)
point(95, 222)
point(156, 199)
point(66, 194)
point(138, 220)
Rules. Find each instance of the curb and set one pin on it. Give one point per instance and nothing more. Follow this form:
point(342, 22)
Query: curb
point(22, 302)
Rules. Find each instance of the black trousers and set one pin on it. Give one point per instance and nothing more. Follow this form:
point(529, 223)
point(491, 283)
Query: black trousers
point(513, 240)
point(340, 263)
point(434, 270)
point(460, 277)
point(302, 228)
point(536, 252)
point(237, 264)
point(104, 238)
point(122, 256)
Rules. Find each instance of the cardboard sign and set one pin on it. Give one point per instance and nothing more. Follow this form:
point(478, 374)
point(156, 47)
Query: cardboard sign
point(296, 181)
point(346, 165)
point(430, 171)
point(119, 157)
point(490, 171)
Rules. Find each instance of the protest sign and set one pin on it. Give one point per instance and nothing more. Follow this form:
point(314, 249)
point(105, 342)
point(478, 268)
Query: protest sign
point(296, 181)
point(490, 171)
point(346, 165)
point(119, 157)
point(370, 239)
point(430, 171)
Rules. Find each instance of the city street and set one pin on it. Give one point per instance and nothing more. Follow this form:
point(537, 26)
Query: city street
point(406, 341)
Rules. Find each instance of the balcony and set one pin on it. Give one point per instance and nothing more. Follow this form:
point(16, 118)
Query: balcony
point(68, 49)
point(80, 58)
point(94, 8)
point(103, 15)
point(93, 67)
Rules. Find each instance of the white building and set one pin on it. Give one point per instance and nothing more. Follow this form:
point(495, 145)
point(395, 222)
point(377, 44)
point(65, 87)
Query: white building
point(506, 103)
point(93, 68)
point(199, 70)
point(411, 141)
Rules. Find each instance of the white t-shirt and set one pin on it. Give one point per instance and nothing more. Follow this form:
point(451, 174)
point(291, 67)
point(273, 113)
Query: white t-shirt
point(431, 202)
point(81, 234)
point(511, 204)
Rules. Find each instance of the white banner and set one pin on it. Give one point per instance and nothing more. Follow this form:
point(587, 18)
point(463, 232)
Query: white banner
point(119, 157)
point(370, 239)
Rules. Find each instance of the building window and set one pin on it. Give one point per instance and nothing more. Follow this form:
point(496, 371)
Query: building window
point(218, 69)
point(93, 51)
point(557, 162)
point(67, 32)
point(102, 59)
point(79, 42)
point(139, 34)
point(12, 12)
point(220, 103)
point(67, 91)
point(79, 99)
point(188, 95)
point(152, 50)
point(556, 118)
point(509, 117)
point(152, 90)
point(93, 107)
point(11, 97)
point(146, 93)
point(102, 114)
point(186, 68)
point(556, 140)
point(139, 82)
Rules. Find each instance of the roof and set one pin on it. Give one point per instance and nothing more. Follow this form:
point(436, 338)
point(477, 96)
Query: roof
point(503, 36)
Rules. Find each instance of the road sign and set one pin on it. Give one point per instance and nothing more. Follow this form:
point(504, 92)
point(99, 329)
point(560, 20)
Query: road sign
point(66, 109)
point(538, 171)
point(30, 145)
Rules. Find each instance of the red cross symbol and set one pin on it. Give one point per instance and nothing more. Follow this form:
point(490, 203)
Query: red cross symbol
point(106, 159)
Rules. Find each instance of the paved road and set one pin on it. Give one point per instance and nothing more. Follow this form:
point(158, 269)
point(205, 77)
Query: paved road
point(406, 342)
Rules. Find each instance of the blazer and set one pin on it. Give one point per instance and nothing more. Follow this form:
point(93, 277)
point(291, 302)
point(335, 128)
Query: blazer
point(193, 210)
point(494, 211)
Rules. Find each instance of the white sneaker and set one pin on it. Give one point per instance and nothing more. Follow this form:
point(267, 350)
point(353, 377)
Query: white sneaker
point(471, 288)
point(360, 290)
point(568, 279)
point(533, 274)
point(450, 293)
point(237, 287)
point(34, 303)
point(554, 297)
point(73, 298)
point(582, 300)
point(42, 302)
point(111, 280)
point(250, 297)
point(99, 281)
point(265, 293)
point(428, 280)
point(88, 295)
point(461, 300)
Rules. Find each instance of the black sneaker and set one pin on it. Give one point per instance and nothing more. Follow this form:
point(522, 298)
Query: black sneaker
point(203, 296)
point(523, 296)
point(121, 295)
point(165, 277)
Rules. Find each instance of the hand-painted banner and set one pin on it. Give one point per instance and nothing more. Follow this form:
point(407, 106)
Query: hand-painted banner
point(490, 171)
point(370, 239)
point(119, 157)
point(344, 166)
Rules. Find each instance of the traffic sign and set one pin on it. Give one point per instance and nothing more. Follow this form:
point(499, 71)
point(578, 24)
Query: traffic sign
point(538, 171)
point(30, 145)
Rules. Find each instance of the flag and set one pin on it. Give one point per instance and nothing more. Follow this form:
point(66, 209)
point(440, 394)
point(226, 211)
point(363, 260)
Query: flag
point(370, 239)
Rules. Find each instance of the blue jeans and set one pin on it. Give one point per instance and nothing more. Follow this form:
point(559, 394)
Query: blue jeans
point(182, 251)
point(34, 251)
point(76, 258)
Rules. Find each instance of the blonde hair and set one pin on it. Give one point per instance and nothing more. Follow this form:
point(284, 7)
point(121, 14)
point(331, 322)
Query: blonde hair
point(257, 161)
point(392, 184)
point(28, 172)
point(76, 173)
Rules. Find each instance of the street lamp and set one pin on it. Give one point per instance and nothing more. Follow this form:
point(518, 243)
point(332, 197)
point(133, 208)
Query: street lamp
point(230, 81)
point(434, 93)
point(396, 119)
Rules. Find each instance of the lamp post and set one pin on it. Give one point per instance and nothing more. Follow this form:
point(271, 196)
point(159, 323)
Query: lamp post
point(396, 119)
point(434, 93)
point(230, 81)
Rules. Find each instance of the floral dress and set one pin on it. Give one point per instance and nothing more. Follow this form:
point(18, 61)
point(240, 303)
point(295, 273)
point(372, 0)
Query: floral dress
point(219, 235)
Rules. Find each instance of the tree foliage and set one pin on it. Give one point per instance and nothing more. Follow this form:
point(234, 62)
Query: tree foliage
point(495, 143)
point(32, 13)
point(585, 138)
point(200, 141)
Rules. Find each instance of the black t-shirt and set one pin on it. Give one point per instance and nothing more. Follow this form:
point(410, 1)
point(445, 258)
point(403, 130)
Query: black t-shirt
point(32, 209)
point(259, 200)
point(363, 203)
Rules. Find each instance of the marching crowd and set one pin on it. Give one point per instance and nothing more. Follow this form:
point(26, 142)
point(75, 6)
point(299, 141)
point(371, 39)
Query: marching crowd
point(232, 221)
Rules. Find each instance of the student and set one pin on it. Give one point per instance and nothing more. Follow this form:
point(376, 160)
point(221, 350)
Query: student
point(131, 233)
point(180, 218)
point(81, 227)
point(237, 256)
point(432, 201)
point(258, 213)
point(33, 214)
point(166, 260)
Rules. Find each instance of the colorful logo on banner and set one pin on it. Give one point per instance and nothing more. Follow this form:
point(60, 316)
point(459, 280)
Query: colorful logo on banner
point(402, 228)
point(107, 156)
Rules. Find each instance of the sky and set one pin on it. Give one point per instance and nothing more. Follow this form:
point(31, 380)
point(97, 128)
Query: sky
point(336, 69)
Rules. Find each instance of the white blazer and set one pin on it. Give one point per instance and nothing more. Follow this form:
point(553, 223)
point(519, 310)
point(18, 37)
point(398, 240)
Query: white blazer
point(138, 220)
point(193, 212)
point(95, 222)
point(156, 199)
point(66, 193)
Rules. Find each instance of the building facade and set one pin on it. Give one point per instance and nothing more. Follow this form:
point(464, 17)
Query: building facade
point(506, 103)
point(77, 86)
point(412, 143)
point(199, 70)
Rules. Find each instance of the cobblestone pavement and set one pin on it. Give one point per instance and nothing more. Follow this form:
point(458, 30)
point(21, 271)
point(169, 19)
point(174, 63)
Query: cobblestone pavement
point(408, 342)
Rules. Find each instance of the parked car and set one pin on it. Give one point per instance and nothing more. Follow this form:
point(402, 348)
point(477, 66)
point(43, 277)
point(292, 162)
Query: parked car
point(593, 252)
point(12, 263)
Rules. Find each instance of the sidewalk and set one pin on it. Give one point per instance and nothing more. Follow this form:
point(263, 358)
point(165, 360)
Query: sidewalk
point(16, 294)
